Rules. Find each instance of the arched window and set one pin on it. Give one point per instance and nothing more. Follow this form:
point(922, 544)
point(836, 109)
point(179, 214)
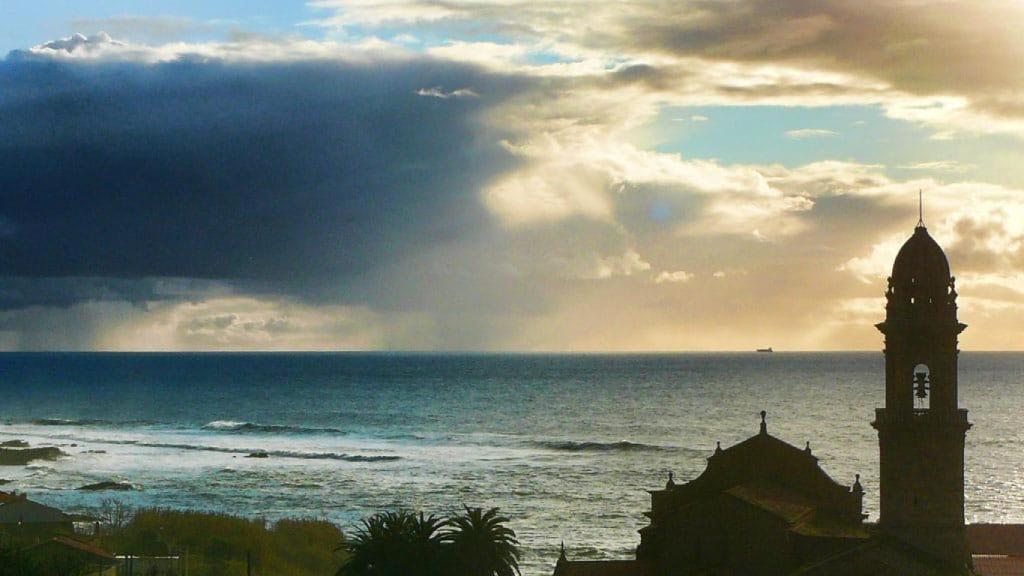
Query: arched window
point(922, 386)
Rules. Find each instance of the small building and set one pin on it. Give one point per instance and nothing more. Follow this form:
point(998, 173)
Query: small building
point(26, 521)
point(65, 555)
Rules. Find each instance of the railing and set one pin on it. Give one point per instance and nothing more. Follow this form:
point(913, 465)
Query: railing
point(921, 415)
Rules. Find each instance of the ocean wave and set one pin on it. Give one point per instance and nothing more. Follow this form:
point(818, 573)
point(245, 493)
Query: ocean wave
point(583, 446)
point(276, 453)
point(244, 427)
point(91, 422)
point(342, 456)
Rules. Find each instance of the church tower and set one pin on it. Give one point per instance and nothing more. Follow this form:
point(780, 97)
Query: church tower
point(922, 429)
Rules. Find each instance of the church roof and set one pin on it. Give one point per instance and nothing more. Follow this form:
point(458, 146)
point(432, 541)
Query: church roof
point(800, 513)
point(765, 459)
point(921, 259)
point(773, 499)
point(880, 555)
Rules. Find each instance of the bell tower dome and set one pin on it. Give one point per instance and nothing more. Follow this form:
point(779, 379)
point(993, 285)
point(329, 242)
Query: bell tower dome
point(922, 429)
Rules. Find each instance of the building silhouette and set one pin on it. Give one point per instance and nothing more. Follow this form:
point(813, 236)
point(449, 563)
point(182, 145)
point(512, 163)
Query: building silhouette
point(922, 429)
point(765, 507)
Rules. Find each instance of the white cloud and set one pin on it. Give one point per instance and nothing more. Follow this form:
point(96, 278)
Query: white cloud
point(546, 194)
point(694, 118)
point(677, 277)
point(80, 46)
point(242, 48)
point(807, 133)
point(947, 166)
point(438, 92)
point(625, 264)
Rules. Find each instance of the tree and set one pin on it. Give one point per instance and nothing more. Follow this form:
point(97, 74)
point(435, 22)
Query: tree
point(114, 514)
point(396, 544)
point(480, 544)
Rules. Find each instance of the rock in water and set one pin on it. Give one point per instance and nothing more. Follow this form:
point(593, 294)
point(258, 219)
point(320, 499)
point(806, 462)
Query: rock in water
point(14, 444)
point(107, 485)
point(260, 454)
point(22, 456)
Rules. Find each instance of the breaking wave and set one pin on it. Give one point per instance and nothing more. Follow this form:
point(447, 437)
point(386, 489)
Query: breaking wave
point(342, 456)
point(81, 422)
point(275, 453)
point(250, 427)
point(622, 446)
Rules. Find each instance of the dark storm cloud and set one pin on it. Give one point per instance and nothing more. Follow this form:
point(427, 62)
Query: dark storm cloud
point(299, 174)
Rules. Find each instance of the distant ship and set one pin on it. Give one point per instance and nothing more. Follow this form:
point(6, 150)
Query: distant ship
point(768, 349)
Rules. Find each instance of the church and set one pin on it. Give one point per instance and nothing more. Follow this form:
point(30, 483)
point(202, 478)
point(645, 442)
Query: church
point(765, 507)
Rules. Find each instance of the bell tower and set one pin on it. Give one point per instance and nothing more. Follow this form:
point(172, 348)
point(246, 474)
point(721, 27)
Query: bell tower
point(922, 429)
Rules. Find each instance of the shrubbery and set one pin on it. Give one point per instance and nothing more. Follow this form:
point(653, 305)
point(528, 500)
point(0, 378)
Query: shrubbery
point(218, 544)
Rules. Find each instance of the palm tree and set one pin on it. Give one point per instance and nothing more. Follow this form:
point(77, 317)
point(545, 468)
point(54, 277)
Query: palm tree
point(425, 545)
point(395, 544)
point(481, 545)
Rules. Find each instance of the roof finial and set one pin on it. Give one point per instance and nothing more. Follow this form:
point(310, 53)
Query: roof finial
point(764, 425)
point(561, 553)
point(671, 481)
point(920, 208)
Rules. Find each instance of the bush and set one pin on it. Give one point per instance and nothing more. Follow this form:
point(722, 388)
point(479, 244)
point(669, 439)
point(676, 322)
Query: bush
point(218, 544)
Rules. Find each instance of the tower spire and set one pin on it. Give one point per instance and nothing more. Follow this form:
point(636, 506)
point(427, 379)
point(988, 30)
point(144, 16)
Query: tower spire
point(920, 208)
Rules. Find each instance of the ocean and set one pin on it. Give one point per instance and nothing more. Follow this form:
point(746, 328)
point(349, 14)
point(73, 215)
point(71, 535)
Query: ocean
point(565, 445)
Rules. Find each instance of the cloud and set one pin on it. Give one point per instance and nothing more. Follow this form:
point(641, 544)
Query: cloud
point(677, 277)
point(923, 65)
point(239, 48)
point(161, 28)
point(263, 193)
point(947, 166)
point(279, 172)
point(693, 118)
point(79, 45)
point(807, 133)
point(437, 92)
point(626, 264)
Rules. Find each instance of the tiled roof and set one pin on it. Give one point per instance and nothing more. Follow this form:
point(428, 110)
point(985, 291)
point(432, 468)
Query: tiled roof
point(77, 546)
point(996, 539)
point(800, 513)
point(999, 565)
point(773, 499)
point(824, 525)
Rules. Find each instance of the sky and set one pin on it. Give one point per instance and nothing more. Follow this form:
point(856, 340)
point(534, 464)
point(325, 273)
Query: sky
point(506, 175)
